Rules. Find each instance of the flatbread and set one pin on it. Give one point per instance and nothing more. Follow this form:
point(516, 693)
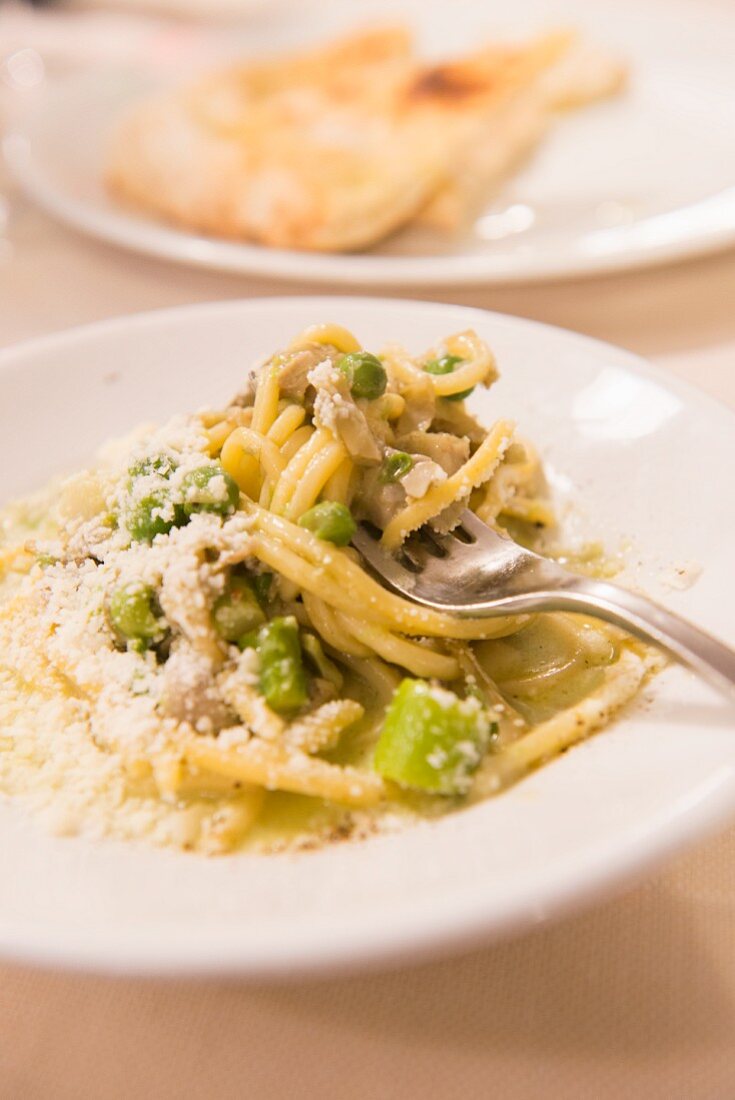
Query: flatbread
point(581, 75)
point(335, 148)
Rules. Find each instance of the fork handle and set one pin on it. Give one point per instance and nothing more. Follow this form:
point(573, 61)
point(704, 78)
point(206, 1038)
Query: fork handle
point(711, 659)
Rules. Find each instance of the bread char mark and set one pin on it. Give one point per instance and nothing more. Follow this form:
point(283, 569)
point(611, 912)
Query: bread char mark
point(444, 83)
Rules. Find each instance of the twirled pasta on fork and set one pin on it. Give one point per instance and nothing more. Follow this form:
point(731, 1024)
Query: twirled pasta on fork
point(191, 650)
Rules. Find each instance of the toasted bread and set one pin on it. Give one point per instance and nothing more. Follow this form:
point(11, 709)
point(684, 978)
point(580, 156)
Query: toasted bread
point(579, 76)
point(329, 150)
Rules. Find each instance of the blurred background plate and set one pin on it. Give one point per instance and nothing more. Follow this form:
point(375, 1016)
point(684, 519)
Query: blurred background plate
point(645, 178)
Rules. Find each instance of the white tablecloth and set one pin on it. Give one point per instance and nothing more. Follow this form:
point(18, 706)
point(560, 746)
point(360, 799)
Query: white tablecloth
point(633, 999)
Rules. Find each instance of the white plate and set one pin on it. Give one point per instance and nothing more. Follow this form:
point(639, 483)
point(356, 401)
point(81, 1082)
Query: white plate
point(642, 179)
point(645, 458)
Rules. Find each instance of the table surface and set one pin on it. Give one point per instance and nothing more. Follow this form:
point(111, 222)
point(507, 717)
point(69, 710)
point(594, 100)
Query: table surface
point(633, 998)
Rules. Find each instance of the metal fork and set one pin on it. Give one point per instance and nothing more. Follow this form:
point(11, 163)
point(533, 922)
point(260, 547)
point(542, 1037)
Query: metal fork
point(475, 571)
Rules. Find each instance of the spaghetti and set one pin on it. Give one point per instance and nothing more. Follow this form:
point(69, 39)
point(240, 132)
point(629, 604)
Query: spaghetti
point(191, 649)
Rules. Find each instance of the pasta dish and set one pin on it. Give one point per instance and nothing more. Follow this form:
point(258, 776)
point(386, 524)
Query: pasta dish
point(191, 650)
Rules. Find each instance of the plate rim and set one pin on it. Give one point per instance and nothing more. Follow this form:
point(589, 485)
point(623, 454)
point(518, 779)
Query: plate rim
point(143, 317)
point(453, 925)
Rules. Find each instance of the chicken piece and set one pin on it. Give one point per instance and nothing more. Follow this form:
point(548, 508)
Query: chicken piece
point(447, 450)
point(377, 502)
point(189, 692)
point(295, 366)
point(420, 406)
point(380, 500)
point(335, 409)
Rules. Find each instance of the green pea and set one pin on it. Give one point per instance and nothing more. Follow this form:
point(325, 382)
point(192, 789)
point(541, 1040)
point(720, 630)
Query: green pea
point(330, 521)
point(431, 739)
point(209, 489)
point(237, 611)
point(395, 467)
point(162, 465)
point(152, 515)
point(282, 676)
point(365, 372)
point(131, 611)
point(446, 365)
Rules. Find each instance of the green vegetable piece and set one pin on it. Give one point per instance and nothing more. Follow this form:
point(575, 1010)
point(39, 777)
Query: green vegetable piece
point(365, 372)
point(282, 676)
point(261, 583)
point(150, 516)
point(45, 559)
point(431, 739)
point(443, 365)
point(330, 521)
point(132, 615)
point(395, 467)
point(446, 365)
point(209, 489)
point(161, 465)
point(325, 668)
point(237, 611)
